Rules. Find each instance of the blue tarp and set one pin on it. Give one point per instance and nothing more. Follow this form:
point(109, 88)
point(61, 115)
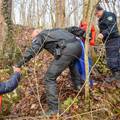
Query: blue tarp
point(80, 64)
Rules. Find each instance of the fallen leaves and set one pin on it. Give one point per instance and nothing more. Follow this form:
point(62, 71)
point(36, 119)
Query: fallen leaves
point(33, 98)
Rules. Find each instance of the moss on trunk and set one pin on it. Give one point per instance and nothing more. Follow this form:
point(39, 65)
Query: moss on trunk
point(9, 43)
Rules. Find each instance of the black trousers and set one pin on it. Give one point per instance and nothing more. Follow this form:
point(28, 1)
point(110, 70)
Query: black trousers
point(69, 54)
point(113, 54)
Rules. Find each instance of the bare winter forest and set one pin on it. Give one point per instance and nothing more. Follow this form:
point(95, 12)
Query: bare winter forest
point(18, 19)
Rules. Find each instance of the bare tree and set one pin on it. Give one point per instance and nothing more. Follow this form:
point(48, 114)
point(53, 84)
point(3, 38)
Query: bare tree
point(89, 7)
point(60, 13)
point(8, 43)
point(75, 8)
point(2, 26)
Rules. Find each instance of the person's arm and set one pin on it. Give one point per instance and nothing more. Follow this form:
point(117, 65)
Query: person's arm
point(77, 31)
point(37, 45)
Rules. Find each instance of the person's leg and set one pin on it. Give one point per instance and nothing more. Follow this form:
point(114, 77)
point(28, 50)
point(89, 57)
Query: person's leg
point(55, 69)
point(75, 76)
point(119, 55)
point(113, 55)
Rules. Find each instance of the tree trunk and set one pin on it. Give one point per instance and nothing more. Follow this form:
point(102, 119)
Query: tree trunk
point(60, 13)
point(8, 43)
point(51, 13)
point(75, 8)
point(88, 14)
point(10, 8)
point(2, 27)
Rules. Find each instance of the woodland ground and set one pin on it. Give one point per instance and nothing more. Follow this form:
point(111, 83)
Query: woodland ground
point(25, 103)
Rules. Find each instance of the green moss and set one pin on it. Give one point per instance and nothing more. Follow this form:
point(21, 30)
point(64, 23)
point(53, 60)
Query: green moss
point(9, 43)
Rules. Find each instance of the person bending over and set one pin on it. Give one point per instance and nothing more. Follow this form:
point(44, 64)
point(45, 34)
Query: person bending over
point(65, 47)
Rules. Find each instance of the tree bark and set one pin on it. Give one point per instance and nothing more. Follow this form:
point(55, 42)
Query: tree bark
point(9, 43)
point(60, 13)
point(10, 8)
point(75, 8)
point(2, 27)
point(89, 7)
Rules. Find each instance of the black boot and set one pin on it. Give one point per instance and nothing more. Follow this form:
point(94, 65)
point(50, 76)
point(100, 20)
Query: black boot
point(52, 112)
point(115, 77)
point(78, 87)
point(49, 113)
point(52, 96)
point(118, 79)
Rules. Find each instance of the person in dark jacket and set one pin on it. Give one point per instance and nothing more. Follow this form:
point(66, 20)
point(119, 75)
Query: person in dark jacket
point(61, 43)
point(107, 22)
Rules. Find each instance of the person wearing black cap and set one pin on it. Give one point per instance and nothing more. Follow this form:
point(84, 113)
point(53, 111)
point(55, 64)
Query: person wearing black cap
point(109, 33)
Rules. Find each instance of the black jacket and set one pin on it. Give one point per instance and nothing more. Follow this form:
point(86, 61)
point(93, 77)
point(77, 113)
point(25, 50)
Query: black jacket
point(47, 39)
point(108, 25)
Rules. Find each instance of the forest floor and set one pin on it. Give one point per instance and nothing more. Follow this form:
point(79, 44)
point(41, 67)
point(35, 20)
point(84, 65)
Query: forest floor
point(28, 101)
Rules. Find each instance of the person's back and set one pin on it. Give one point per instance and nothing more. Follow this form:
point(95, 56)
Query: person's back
point(57, 34)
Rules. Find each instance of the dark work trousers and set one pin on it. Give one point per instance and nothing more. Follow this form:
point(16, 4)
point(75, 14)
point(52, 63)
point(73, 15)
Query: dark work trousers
point(69, 54)
point(113, 54)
